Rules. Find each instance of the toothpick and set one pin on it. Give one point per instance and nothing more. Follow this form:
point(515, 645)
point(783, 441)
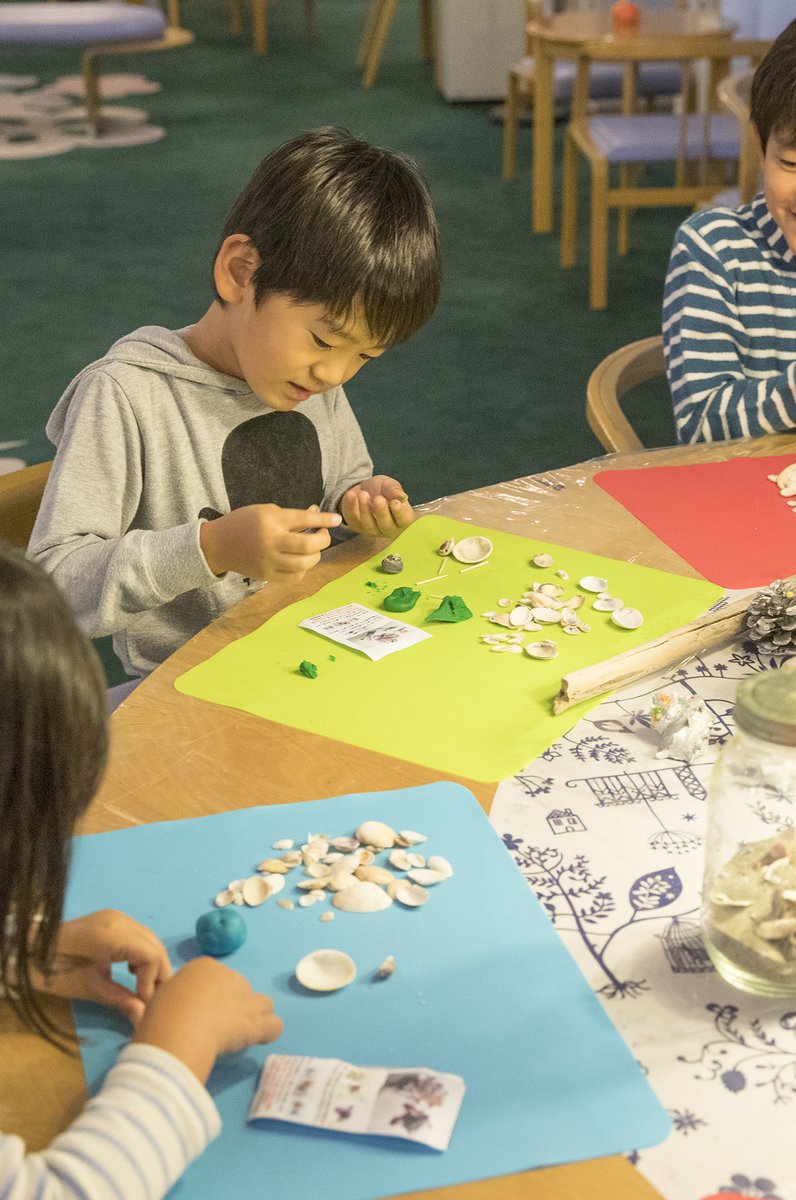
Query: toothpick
point(429, 580)
point(473, 567)
point(441, 571)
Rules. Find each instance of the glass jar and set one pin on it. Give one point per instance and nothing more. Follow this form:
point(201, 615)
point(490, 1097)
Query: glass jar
point(749, 888)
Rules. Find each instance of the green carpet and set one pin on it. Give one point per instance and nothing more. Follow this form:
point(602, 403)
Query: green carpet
point(97, 242)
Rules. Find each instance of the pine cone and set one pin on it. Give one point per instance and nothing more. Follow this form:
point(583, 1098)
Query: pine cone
point(771, 618)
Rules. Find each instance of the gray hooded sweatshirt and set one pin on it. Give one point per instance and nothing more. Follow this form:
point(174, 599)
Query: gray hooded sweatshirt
point(150, 443)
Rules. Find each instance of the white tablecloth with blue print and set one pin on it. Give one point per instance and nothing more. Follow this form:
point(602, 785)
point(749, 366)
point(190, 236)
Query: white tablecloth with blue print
point(609, 836)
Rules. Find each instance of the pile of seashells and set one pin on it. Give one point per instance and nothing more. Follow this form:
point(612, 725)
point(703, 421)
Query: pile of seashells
point(345, 868)
point(545, 604)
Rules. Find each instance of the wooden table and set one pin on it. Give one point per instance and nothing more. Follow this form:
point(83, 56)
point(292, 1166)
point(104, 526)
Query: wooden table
point(174, 757)
point(564, 36)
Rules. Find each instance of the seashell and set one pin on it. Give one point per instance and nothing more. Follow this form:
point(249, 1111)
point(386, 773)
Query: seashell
point(286, 904)
point(256, 890)
point(513, 649)
point(472, 549)
point(344, 843)
point(237, 898)
point(411, 895)
point(563, 575)
point(437, 863)
point(544, 649)
point(417, 860)
point(425, 876)
point(275, 883)
point(392, 564)
point(531, 626)
point(310, 898)
point(361, 898)
point(292, 859)
point(584, 627)
point(546, 616)
point(571, 629)
point(501, 619)
point(366, 857)
point(499, 649)
point(542, 560)
point(727, 902)
point(411, 837)
point(374, 875)
point(376, 834)
point(385, 969)
point(506, 602)
point(332, 857)
point(492, 639)
point(316, 870)
point(627, 618)
point(487, 614)
point(339, 883)
point(575, 602)
point(447, 546)
point(400, 859)
point(593, 583)
point(551, 589)
point(607, 604)
point(326, 916)
point(569, 616)
point(283, 844)
point(224, 898)
point(519, 615)
point(236, 885)
point(312, 885)
point(326, 970)
point(274, 866)
point(772, 931)
point(542, 600)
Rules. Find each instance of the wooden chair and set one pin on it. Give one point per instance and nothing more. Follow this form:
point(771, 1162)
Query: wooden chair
point(701, 139)
point(378, 23)
point(733, 92)
point(259, 20)
point(655, 79)
point(20, 496)
point(616, 375)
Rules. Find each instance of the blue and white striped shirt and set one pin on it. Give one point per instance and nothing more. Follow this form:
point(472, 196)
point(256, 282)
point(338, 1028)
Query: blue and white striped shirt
point(150, 1120)
point(729, 325)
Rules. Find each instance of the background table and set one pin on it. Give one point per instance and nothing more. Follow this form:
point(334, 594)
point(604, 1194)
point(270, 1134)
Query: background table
point(175, 757)
point(564, 36)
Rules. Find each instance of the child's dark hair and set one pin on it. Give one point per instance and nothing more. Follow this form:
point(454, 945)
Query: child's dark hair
point(53, 730)
point(773, 100)
point(336, 221)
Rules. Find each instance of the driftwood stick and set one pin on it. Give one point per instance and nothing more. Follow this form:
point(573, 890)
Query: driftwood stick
point(707, 631)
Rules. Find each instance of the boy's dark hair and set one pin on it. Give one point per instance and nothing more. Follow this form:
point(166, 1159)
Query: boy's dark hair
point(335, 221)
point(53, 730)
point(773, 100)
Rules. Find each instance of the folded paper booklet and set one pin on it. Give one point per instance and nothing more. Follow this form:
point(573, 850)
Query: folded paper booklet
point(364, 629)
point(414, 1103)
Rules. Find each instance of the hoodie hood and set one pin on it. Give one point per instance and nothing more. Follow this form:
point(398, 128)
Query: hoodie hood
point(150, 348)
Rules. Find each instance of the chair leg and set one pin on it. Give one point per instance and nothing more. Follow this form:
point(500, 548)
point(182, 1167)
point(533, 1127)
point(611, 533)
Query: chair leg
point(510, 127)
point(367, 33)
point(259, 26)
point(426, 31)
point(569, 201)
point(309, 18)
point(91, 84)
point(383, 22)
point(628, 177)
point(235, 17)
point(173, 13)
point(598, 265)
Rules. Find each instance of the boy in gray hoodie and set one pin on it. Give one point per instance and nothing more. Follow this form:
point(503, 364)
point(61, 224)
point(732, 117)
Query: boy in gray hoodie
point(193, 464)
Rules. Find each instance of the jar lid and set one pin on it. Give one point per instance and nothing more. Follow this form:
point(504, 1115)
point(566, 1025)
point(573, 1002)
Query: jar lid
point(765, 705)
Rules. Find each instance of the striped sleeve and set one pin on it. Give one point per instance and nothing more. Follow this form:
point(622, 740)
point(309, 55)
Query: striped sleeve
point(729, 341)
point(132, 1141)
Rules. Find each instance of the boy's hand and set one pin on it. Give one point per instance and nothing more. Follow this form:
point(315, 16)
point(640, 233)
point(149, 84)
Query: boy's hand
point(263, 541)
point(377, 507)
point(103, 938)
point(205, 1010)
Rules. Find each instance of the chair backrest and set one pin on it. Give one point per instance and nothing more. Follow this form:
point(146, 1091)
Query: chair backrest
point(610, 380)
point(20, 496)
point(733, 92)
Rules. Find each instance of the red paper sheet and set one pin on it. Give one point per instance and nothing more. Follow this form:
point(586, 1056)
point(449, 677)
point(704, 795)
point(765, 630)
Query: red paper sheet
point(726, 519)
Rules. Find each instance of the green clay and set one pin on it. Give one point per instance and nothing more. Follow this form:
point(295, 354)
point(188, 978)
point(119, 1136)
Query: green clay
point(332, 658)
point(308, 670)
point(401, 600)
point(452, 609)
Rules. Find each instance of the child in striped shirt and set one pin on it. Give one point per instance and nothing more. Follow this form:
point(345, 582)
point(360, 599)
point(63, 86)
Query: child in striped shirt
point(153, 1116)
point(729, 309)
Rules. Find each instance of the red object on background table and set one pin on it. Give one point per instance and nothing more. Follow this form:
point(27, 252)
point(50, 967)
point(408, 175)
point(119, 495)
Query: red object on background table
point(727, 519)
point(625, 15)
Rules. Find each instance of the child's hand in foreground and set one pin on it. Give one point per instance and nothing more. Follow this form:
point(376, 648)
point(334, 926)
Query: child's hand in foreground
point(264, 541)
point(205, 1010)
point(101, 939)
point(377, 507)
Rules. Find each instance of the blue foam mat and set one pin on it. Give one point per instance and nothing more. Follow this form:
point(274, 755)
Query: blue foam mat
point(483, 987)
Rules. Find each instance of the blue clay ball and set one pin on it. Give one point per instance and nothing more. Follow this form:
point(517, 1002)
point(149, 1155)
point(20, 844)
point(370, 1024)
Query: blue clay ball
point(221, 931)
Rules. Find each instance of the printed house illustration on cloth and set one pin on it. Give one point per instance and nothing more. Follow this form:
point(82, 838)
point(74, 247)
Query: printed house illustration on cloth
point(564, 820)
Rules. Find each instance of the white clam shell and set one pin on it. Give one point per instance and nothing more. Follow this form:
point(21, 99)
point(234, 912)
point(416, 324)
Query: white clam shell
point(344, 843)
point(279, 866)
point(311, 898)
point(627, 618)
point(519, 615)
point(385, 969)
point(275, 883)
point(341, 881)
point(544, 649)
point(326, 970)
point(411, 895)
point(546, 616)
point(472, 549)
point(224, 898)
point(607, 604)
point(283, 844)
point(400, 860)
point(286, 904)
point(376, 834)
point(411, 837)
point(426, 877)
point(362, 897)
point(542, 560)
point(593, 583)
point(437, 863)
point(256, 890)
point(378, 875)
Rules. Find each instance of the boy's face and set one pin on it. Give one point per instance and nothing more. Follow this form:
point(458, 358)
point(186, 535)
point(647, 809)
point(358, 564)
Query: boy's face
point(288, 351)
point(779, 184)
